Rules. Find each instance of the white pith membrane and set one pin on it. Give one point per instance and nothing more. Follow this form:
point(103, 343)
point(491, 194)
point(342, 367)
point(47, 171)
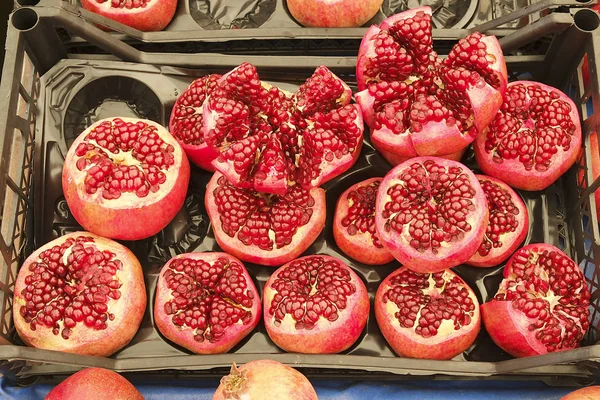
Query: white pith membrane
point(418, 292)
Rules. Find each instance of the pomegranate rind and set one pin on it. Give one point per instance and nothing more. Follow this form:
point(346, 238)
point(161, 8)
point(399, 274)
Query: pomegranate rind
point(360, 246)
point(93, 384)
point(447, 256)
point(304, 237)
point(129, 217)
point(338, 14)
point(395, 159)
point(128, 309)
point(407, 343)
point(154, 17)
point(595, 152)
point(326, 337)
point(586, 393)
point(184, 337)
point(510, 240)
point(512, 171)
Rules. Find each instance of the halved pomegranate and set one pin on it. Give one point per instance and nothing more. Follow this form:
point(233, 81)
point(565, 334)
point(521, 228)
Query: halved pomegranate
point(186, 122)
point(206, 302)
point(125, 178)
point(316, 305)
point(534, 138)
point(80, 293)
point(542, 304)
point(144, 15)
point(354, 224)
point(416, 104)
point(508, 223)
point(431, 213)
point(261, 228)
point(269, 140)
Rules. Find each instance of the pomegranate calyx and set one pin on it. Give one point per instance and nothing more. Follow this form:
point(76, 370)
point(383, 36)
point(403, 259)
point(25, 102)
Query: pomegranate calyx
point(235, 382)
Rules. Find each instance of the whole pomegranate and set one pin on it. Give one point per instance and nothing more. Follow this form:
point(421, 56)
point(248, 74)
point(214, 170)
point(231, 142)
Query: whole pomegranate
point(125, 178)
point(354, 224)
point(265, 380)
point(80, 293)
point(414, 103)
point(269, 140)
point(586, 393)
point(186, 122)
point(595, 153)
point(508, 223)
point(534, 138)
point(431, 213)
point(94, 384)
point(433, 316)
point(315, 304)
point(262, 228)
point(542, 304)
point(206, 302)
point(144, 15)
point(333, 13)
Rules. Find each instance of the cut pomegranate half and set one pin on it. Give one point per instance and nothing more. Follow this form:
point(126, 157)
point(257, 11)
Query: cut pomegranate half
point(542, 304)
point(261, 228)
point(433, 316)
point(144, 15)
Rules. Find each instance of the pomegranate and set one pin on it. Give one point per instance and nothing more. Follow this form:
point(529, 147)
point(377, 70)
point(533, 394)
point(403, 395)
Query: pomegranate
point(186, 122)
point(586, 393)
point(595, 152)
point(316, 305)
point(508, 223)
point(125, 178)
point(333, 13)
point(144, 15)
point(542, 304)
point(269, 140)
point(261, 228)
point(93, 384)
point(206, 302)
point(395, 159)
point(416, 104)
point(433, 316)
point(534, 138)
point(80, 293)
point(431, 213)
point(264, 380)
point(354, 224)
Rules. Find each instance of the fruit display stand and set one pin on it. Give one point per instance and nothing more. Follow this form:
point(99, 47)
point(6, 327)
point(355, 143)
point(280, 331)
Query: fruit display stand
point(53, 90)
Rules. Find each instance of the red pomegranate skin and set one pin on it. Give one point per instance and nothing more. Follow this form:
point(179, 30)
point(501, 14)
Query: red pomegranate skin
point(333, 13)
point(586, 393)
point(126, 305)
point(94, 384)
point(148, 16)
point(395, 159)
point(265, 380)
point(595, 151)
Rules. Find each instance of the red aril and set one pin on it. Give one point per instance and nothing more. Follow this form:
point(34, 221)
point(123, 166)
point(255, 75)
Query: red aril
point(144, 15)
point(508, 223)
point(186, 122)
point(315, 304)
point(354, 224)
point(586, 393)
point(542, 304)
point(534, 138)
point(414, 103)
point(94, 384)
point(333, 13)
point(206, 302)
point(431, 213)
point(265, 380)
point(262, 228)
point(269, 140)
point(125, 178)
point(395, 159)
point(433, 316)
point(80, 293)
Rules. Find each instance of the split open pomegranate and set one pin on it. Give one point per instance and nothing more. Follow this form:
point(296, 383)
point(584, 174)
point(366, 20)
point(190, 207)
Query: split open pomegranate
point(206, 302)
point(315, 304)
point(80, 293)
point(416, 104)
point(125, 178)
point(534, 138)
point(431, 213)
point(144, 15)
point(433, 316)
point(269, 140)
point(542, 304)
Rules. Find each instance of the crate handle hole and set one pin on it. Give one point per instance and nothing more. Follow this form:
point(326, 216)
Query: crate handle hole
point(24, 19)
point(586, 20)
point(26, 3)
